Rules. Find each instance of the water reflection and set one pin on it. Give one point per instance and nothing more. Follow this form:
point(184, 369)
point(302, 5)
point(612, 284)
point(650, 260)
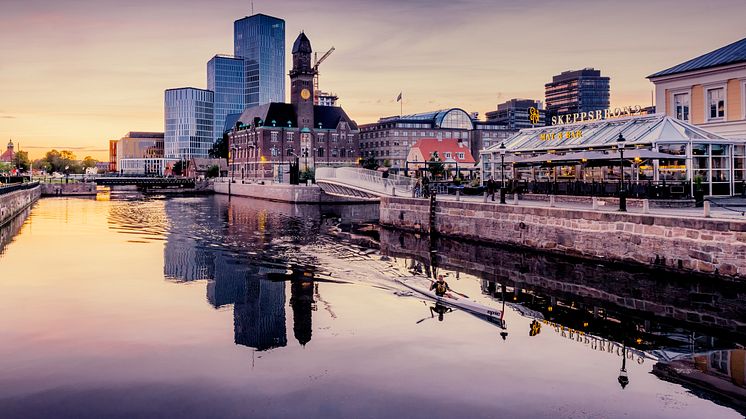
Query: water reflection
point(10, 229)
point(148, 308)
point(687, 326)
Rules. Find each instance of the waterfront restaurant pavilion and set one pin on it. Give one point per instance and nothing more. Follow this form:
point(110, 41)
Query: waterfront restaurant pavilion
point(661, 153)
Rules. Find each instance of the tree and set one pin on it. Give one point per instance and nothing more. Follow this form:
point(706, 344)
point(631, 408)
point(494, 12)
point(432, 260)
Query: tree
point(89, 161)
point(213, 171)
point(219, 150)
point(370, 163)
point(22, 161)
point(178, 168)
point(436, 166)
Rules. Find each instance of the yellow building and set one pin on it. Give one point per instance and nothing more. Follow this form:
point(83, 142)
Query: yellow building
point(708, 91)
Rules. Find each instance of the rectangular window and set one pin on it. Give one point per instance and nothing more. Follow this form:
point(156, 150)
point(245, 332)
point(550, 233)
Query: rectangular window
point(460, 155)
point(681, 106)
point(447, 155)
point(716, 102)
point(273, 134)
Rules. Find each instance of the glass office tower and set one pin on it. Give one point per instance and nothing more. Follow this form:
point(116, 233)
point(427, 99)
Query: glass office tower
point(227, 79)
point(188, 123)
point(260, 41)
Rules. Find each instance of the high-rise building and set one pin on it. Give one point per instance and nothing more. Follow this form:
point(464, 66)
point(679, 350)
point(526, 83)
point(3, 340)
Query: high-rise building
point(226, 77)
point(518, 114)
point(576, 92)
point(189, 123)
point(260, 41)
point(326, 99)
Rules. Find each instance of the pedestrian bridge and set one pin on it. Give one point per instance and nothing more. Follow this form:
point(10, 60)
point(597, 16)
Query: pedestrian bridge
point(362, 183)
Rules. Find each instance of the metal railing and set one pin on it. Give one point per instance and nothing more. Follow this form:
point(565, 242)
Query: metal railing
point(370, 180)
point(17, 187)
point(637, 189)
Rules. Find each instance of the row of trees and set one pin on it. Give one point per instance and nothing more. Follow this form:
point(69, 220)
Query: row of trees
point(63, 161)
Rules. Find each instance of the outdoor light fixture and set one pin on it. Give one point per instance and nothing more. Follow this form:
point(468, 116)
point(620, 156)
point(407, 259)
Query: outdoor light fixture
point(620, 142)
point(502, 172)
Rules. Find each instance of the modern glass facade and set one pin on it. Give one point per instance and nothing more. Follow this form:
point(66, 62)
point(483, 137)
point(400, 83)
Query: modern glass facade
point(189, 123)
point(226, 78)
point(260, 41)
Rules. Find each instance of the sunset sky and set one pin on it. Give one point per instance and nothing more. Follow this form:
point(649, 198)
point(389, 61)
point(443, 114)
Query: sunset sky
point(75, 74)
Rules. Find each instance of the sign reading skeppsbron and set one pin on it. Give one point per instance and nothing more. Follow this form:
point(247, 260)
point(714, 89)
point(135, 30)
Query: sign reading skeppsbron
point(597, 115)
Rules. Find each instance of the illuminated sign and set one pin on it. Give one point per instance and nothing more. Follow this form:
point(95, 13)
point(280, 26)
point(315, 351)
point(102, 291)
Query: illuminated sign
point(533, 115)
point(597, 115)
point(562, 135)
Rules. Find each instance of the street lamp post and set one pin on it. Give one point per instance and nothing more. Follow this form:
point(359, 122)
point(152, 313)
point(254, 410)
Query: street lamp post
point(233, 160)
point(502, 172)
point(622, 192)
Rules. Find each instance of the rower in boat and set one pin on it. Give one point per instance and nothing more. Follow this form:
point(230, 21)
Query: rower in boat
point(440, 286)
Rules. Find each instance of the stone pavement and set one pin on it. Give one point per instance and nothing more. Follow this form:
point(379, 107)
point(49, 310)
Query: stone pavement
point(729, 212)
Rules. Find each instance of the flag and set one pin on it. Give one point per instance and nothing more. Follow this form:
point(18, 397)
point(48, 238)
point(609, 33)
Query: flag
point(398, 98)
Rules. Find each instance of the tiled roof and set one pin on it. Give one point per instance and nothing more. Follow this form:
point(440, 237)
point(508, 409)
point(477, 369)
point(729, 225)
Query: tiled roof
point(428, 146)
point(330, 116)
point(729, 54)
point(281, 113)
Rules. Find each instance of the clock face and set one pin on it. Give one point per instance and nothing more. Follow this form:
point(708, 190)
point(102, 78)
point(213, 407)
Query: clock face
point(305, 94)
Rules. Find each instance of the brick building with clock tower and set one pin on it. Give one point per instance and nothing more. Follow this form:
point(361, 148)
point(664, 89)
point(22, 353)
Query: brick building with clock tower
point(266, 138)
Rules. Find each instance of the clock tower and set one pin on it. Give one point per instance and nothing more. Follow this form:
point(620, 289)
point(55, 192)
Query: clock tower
point(301, 82)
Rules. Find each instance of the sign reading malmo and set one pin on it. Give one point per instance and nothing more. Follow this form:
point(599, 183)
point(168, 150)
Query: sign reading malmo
point(597, 115)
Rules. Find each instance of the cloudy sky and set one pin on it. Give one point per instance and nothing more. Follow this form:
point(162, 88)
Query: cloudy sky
point(75, 74)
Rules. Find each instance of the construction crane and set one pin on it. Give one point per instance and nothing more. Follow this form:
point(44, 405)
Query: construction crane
point(316, 62)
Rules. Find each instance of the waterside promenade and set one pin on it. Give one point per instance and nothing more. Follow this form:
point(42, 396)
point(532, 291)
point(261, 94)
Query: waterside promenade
point(678, 239)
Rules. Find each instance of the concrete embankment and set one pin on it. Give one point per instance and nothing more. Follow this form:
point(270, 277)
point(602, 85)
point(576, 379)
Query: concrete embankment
point(13, 203)
point(68, 189)
point(299, 194)
point(678, 243)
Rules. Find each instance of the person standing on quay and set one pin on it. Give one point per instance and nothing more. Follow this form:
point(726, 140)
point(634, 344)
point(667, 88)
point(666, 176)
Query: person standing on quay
point(491, 186)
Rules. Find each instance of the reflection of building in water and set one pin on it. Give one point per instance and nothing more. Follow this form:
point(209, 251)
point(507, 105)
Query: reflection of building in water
point(301, 299)
point(719, 374)
point(259, 319)
point(185, 256)
point(229, 284)
point(185, 260)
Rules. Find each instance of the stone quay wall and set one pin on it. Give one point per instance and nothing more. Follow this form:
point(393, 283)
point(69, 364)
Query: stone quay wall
point(13, 203)
point(68, 189)
point(677, 243)
point(299, 194)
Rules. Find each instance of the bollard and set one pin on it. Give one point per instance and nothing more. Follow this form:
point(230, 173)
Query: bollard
point(645, 206)
point(551, 200)
point(484, 198)
point(706, 206)
point(594, 202)
point(515, 198)
point(393, 191)
point(458, 195)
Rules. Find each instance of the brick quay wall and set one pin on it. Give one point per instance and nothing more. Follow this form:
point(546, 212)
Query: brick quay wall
point(678, 243)
point(13, 203)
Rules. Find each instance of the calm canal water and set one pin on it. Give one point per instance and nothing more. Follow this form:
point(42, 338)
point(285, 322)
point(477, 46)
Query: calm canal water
point(205, 307)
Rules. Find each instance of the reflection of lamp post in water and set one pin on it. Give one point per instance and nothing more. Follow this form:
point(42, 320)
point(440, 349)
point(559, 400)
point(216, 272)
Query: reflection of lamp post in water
point(623, 378)
point(504, 333)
